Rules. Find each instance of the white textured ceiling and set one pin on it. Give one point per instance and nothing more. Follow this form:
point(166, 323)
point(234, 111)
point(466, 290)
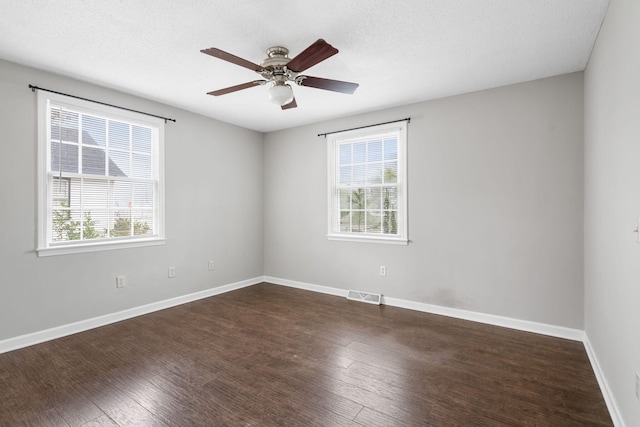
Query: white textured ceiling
point(399, 52)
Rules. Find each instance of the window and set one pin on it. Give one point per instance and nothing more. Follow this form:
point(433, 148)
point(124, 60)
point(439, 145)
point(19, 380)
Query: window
point(100, 177)
point(368, 185)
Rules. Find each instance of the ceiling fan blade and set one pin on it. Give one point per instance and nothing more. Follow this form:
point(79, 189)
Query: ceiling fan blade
point(236, 87)
point(221, 54)
point(327, 84)
point(292, 104)
point(317, 52)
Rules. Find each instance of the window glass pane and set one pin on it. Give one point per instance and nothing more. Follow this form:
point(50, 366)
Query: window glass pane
point(345, 154)
point(390, 222)
point(389, 198)
point(358, 221)
point(374, 173)
point(64, 125)
point(374, 198)
point(140, 139)
point(95, 193)
point(119, 163)
point(390, 148)
point(142, 222)
point(94, 224)
point(118, 135)
point(345, 198)
point(373, 222)
point(141, 166)
point(121, 225)
point(64, 157)
point(69, 126)
point(60, 192)
point(360, 152)
point(143, 195)
point(390, 172)
point(374, 151)
point(65, 224)
point(345, 175)
point(359, 174)
point(345, 221)
point(93, 160)
point(56, 124)
point(94, 131)
point(75, 193)
point(358, 198)
point(120, 195)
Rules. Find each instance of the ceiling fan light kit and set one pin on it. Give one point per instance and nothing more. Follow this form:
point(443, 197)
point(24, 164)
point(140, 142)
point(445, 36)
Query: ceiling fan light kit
point(279, 69)
point(280, 94)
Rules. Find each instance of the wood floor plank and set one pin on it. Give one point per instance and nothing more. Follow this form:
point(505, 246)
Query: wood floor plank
point(48, 417)
point(75, 407)
point(248, 406)
point(103, 421)
point(268, 355)
point(371, 418)
point(182, 404)
point(123, 410)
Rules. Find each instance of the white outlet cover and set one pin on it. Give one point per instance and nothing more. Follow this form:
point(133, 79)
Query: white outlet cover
point(120, 281)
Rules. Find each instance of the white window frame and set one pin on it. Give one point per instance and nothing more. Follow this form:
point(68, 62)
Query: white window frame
point(45, 246)
point(333, 142)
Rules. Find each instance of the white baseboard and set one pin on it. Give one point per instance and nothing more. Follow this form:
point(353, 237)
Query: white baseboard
point(616, 417)
point(490, 319)
point(507, 322)
point(84, 325)
point(307, 286)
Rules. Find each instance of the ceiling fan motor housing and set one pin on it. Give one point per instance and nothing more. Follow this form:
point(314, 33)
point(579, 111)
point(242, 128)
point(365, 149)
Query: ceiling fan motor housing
point(275, 65)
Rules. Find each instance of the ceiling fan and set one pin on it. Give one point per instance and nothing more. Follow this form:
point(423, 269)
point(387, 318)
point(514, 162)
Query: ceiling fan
point(280, 69)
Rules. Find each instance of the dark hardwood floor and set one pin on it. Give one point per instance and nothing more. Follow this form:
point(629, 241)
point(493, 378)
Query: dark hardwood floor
point(274, 356)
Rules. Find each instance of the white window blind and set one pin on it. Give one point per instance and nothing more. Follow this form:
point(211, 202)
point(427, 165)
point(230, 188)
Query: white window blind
point(101, 177)
point(367, 184)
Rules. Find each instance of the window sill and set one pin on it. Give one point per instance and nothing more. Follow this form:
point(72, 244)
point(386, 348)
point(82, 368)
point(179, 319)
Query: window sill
point(97, 246)
point(369, 239)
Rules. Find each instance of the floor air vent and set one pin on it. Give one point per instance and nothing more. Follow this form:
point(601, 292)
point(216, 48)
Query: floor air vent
point(367, 297)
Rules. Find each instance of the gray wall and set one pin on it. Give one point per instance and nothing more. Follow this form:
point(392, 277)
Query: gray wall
point(612, 203)
point(495, 205)
point(213, 211)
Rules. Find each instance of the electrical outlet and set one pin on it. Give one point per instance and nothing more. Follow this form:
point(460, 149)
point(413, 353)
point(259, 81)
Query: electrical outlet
point(210, 265)
point(637, 385)
point(120, 281)
point(383, 270)
point(172, 272)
